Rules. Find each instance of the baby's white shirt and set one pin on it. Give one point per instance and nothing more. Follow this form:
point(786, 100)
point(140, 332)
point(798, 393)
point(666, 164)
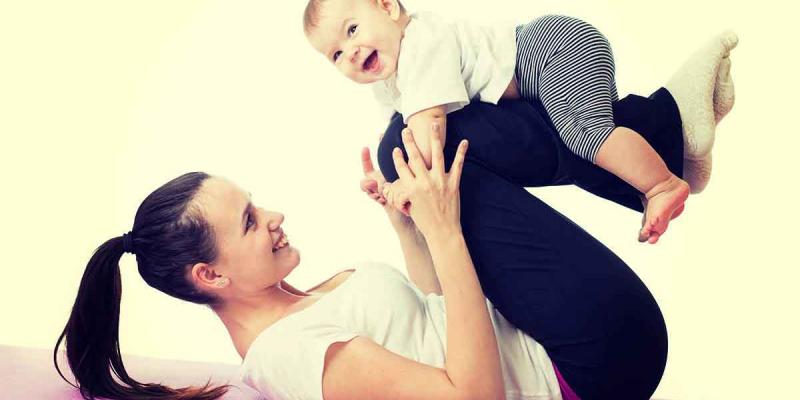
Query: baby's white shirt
point(449, 63)
point(378, 302)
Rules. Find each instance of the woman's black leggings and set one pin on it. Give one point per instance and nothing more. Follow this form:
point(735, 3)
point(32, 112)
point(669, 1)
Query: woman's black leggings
point(599, 323)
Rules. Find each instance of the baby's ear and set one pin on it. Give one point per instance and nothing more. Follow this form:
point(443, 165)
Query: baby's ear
point(391, 7)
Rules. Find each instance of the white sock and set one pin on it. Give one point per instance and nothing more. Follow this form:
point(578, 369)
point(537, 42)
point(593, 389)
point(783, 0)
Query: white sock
point(697, 173)
point(693, 89)
point(724, 94)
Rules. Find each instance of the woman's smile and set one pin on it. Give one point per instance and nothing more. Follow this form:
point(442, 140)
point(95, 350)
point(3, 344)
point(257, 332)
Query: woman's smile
point(281, 242)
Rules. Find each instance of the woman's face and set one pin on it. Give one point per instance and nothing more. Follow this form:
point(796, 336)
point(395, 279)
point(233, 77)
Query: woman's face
point(253, 252)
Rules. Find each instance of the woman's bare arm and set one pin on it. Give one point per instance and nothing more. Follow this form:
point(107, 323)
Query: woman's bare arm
point(415, 251)
point(419, 263)
point(472, 356)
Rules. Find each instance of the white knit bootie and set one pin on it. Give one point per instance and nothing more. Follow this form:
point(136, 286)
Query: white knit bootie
point(724, 95)
point(697, 173)
point(693, 88)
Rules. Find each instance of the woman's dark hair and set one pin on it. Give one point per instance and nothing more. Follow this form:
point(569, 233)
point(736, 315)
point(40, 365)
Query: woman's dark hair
point(169, 235)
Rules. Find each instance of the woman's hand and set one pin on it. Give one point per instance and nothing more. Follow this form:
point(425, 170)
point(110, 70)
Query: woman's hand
point(430, 197)
point(373, 183)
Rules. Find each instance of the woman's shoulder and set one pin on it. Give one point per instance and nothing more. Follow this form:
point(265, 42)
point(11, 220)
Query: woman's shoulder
point(333, 282)
point(340, 277)
point(330, 295)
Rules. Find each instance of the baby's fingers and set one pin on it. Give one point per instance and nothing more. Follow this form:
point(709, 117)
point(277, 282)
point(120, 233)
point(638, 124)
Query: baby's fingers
point(369, 185)
point(366, 161)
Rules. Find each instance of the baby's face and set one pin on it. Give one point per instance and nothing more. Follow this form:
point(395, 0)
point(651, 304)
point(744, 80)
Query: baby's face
point(360, 37)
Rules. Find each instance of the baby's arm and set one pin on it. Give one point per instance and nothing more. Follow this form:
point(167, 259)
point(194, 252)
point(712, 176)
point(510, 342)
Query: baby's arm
point(420, 124)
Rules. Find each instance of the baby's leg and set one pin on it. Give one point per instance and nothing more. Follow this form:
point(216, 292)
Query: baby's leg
point(626, 154)
point(576, 86)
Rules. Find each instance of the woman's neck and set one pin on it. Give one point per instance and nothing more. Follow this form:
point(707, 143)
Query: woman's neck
point(246, 318)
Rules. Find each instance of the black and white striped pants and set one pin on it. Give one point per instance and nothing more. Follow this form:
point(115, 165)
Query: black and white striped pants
point(568, 65)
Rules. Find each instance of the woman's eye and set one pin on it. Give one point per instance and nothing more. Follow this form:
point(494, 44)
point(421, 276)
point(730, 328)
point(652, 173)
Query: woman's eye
point(250, 221)
point(336, 55)
point(351, 30)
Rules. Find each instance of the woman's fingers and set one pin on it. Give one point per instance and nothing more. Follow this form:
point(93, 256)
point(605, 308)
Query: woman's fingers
point(458, 164)
point(388, 194)
point(437, 156)
point(415, 161)
point(403, 172)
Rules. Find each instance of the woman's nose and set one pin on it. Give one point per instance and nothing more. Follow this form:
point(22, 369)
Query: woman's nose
point(275, 219)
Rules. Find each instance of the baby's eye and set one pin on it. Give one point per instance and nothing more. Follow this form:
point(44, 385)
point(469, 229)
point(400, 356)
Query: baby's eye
point(351, 30)
point(336, 55)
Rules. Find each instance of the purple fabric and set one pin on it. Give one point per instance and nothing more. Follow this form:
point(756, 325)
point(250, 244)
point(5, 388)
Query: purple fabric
point(28, 373)
point(566, 392)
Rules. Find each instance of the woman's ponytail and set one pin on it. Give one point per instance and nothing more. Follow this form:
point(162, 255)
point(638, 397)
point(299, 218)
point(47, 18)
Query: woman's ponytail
point(92, 331)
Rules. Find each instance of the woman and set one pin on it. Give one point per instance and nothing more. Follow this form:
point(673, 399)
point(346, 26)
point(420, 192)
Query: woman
point(199, 238)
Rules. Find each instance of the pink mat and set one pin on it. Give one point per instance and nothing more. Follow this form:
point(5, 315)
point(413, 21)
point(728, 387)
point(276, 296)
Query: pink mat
point(28, 373)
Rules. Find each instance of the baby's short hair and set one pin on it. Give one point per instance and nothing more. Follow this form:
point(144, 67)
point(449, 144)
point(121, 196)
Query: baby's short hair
point(311, 15)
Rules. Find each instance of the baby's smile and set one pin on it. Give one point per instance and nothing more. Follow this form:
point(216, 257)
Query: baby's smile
point(371, 64)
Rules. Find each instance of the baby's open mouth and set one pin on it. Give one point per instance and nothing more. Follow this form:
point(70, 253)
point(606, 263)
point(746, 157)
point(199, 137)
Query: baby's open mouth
point(371, 63)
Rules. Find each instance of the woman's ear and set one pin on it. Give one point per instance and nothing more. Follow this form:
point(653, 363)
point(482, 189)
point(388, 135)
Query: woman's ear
point(391, 7)
point(204, 276)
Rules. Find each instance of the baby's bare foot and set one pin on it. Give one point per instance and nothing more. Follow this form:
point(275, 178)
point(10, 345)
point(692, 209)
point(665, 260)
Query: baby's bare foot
point(664, 202)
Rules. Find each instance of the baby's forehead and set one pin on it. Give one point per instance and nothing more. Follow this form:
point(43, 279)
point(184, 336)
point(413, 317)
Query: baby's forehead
point(333, 12)
point(327, 22)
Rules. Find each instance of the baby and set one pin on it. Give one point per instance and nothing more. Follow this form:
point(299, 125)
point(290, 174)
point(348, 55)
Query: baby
point(426, 67)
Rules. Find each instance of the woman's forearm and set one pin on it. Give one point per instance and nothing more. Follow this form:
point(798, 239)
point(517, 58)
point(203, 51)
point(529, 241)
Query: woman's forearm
point(472, 357)
point(417, 256)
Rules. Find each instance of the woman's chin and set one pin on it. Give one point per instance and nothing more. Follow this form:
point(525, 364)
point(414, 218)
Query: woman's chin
point(289, 253)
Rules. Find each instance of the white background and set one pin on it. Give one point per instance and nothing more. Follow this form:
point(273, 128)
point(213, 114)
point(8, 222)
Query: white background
point(101, 102)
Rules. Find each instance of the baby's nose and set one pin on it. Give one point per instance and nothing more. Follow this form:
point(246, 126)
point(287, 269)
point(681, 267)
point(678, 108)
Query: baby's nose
point(354, 54)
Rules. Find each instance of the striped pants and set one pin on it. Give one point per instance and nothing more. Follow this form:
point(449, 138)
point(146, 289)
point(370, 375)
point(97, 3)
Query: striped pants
point(567, 65)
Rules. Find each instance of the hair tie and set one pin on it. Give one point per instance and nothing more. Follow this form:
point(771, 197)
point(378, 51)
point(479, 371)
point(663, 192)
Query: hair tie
point(127, 243)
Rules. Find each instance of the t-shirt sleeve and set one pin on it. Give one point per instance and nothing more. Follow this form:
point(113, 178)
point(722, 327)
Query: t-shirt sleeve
point(385, 101)
point(429, 70)
point(289, 364)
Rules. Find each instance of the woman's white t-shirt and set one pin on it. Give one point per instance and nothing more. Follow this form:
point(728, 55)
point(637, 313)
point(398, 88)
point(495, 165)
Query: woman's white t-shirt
point(377, 301)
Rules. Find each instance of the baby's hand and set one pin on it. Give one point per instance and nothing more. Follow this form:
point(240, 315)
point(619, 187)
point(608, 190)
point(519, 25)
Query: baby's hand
point(374, 184)
point(397, 200)
point(373, 181)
